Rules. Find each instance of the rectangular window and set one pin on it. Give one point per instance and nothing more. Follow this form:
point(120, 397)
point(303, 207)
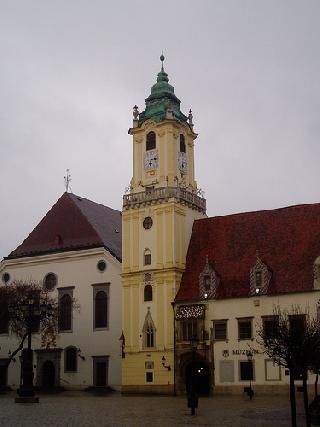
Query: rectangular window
point(246, 370)
point(220, 330)
point(245, 329)
point(270, 326)
point(297, 324)
point(147, 259)
point(149, 377)
point(189, 329)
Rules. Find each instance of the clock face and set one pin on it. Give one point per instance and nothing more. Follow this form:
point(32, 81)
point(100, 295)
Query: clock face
point(182, 162)
point(151, 159)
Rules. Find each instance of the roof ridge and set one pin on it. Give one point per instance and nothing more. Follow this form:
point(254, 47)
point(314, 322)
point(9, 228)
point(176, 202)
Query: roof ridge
point(259, 211)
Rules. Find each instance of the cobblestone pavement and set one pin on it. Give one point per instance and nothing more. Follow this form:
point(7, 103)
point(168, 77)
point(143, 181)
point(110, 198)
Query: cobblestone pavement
point(71, 409)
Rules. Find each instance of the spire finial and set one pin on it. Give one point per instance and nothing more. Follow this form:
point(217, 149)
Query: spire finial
point(67, 180)
point(162, 58)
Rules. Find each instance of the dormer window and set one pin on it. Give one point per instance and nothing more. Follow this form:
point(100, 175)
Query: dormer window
point(182, 144)
point(208, 282)
point(260, 277)
point(151, 141)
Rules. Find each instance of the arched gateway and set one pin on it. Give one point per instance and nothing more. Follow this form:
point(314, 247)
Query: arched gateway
point(193, 370)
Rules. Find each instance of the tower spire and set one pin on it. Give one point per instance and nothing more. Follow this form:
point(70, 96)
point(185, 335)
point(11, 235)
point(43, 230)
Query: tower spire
point(162, 58)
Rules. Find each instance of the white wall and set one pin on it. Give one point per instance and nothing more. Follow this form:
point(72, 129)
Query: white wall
point(78, 269)
point(234, 308)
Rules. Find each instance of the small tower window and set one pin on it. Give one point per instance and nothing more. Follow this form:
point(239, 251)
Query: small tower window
point(147, 257)
point(147, 293)
point(151, 141)
point(182, 144)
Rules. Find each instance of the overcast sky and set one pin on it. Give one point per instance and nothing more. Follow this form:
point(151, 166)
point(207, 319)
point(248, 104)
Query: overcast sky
point(71, 71)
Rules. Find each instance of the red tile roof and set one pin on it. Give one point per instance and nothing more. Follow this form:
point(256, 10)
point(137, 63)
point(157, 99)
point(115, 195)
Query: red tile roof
point(74, 223)
point(287, 239)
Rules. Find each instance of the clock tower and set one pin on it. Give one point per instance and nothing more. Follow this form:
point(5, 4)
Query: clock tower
point(162, 202)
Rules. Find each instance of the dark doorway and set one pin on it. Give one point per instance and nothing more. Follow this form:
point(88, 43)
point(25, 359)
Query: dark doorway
point(100, 374)
point(48, 374)
point(198, 374)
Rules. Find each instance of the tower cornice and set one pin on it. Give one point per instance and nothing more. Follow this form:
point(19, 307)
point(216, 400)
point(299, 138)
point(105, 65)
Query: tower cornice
point(158, 125)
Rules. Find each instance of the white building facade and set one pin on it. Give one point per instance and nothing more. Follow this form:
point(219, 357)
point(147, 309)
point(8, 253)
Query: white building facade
point(69, 254)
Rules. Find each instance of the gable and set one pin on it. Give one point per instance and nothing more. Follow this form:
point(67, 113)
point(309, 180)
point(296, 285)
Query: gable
point(66, 227)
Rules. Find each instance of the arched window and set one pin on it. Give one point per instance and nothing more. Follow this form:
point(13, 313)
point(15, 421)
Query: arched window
point(50, 281)
point(70, 359)
point(101, 309)
point(151, 141)
point(148, 293)
point(147, 257)
point(149, 332)
point(65, 311)
point(182, 144)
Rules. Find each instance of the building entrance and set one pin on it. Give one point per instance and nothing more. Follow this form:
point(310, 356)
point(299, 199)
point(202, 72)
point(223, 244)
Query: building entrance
point(100, 371)
point(48, 374)
point(197, 375)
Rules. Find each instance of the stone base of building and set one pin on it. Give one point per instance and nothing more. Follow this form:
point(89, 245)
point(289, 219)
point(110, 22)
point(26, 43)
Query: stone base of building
point(261, 389)
point(151, 390)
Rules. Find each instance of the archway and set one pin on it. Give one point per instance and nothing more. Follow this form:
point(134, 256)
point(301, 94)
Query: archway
point(48, 374)
point(197, 372)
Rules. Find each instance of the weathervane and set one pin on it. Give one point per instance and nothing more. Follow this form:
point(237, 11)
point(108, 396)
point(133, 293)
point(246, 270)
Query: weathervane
point(67, 180)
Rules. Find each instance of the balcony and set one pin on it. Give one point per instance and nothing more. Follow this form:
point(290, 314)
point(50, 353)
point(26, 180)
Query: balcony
point(159, 195)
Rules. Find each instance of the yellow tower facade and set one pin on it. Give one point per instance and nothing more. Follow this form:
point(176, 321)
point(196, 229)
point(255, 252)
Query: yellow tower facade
point(158, 213)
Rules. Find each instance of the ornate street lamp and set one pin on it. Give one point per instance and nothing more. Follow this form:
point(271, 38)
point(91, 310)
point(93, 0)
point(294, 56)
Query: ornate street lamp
point(31, 312)
point(250, 358)
point(192, 397)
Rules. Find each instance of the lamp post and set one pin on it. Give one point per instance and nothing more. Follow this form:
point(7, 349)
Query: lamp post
point(250, 357)
point(192, 397)
point(30, 312)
